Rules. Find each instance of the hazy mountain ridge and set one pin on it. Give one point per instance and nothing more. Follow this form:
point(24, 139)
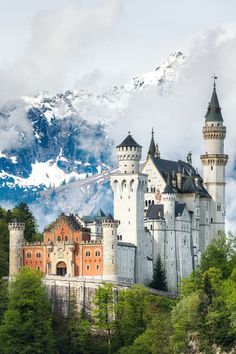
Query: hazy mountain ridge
point(65, 138)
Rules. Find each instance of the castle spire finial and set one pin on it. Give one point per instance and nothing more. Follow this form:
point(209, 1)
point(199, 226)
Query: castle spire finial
point(214, 77)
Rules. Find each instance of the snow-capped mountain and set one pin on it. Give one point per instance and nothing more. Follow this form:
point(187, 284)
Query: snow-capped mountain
point(48, 141)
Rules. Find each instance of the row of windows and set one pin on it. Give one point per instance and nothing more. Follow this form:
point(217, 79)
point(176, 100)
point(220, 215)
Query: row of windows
point(96, 253)
point(149, 202)
point(151, 189)
point(29, 254)
point(126, 148)
point(88, 266)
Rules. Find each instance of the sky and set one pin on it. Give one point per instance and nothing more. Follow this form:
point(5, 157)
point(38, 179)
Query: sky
point(95, 44)
point(40, 40)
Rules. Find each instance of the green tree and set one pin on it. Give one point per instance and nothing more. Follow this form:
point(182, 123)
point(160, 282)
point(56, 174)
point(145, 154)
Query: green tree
point(22, 213)
point(220, 254)
point(104, 310)
point(131, 314)
point(155, 339)
point(78, 331)
point(159, 281)
point(3, 297)
point(27, 323)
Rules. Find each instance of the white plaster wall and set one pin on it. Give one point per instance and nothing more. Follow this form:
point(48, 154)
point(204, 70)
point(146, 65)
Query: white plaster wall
point(126, 263)
point(110, 251)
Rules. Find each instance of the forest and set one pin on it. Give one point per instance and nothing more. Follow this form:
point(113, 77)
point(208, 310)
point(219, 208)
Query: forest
point(202, 319)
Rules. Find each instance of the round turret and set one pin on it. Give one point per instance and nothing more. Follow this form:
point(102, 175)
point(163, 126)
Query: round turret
point(109, 227)
point(16, 243)
point(129, 154)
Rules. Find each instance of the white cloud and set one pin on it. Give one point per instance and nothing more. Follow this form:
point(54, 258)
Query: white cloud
point(64, 43)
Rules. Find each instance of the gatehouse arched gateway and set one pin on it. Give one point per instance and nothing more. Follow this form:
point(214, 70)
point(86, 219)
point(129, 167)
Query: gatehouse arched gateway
point(61, 269)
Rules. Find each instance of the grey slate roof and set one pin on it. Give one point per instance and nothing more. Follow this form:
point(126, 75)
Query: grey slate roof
point(88, 219)
point(155, 211)
point(214, 111)
point(179, 208)
point(166, 167)
point(126, 244)
point(129, 142)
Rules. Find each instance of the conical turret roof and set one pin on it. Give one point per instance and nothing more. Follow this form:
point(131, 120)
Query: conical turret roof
point(214, 111)
point(129, 142)
point(152, 146)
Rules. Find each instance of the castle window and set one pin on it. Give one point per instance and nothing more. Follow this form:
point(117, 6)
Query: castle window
point(87, 266)
point(97, 253)
point(38, 254)
point(87, 253)
point(97, 266)
point(28, 255)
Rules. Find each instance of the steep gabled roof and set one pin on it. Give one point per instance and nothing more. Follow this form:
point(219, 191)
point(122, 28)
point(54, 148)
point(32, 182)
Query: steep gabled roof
point(167, 167)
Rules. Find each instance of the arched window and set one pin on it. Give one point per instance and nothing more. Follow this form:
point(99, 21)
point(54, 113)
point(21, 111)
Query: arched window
point(28, 255)
point(87, 266)
point(87, 253)
point(97, 266)
point(38, 267)
point(58, 238)
point(97, 253)
point(66, 238)
point(38, 254)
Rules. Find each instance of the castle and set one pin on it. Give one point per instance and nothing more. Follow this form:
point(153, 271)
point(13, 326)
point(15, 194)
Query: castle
point(161, 207)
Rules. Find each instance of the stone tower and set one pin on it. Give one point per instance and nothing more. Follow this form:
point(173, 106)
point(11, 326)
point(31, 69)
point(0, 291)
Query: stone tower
point(171, 249)
point(16, 233)
point(214, 161)
point(109, 227)
point(129, 185)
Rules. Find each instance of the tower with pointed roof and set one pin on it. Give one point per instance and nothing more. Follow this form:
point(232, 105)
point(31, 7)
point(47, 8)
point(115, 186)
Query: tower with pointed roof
point(129, 186)
point(153, 150)
point(214, 161)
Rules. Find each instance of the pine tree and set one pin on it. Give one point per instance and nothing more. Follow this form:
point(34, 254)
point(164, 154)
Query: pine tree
point(159, 281)
point(23, 214)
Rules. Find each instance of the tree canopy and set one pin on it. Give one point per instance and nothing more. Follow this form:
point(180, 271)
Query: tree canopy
point(27, 323)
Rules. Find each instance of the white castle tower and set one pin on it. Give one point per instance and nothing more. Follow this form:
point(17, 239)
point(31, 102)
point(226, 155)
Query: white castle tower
point(171, 248)
point(214, 161)
point(16, 233)
point(109, 227)
point(129, 185)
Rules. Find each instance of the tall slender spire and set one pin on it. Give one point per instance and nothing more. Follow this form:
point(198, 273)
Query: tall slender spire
point(152, 146)
point(214, 111)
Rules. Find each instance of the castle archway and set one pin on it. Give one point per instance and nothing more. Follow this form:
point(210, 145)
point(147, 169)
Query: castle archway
point(61, 269)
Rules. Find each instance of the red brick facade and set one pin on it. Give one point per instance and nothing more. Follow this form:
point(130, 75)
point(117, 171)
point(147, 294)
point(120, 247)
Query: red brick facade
point(67, 249)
